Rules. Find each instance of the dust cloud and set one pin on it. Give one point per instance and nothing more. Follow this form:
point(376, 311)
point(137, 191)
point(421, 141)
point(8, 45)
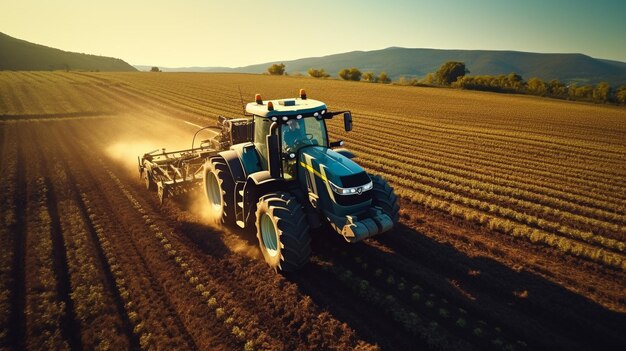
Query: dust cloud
point(148, 135)
point(236, 242)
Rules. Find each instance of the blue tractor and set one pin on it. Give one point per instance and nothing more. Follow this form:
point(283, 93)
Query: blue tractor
point(287, 178)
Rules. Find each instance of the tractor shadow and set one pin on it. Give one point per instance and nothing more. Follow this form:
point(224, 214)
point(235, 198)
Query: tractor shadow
point(529, 307)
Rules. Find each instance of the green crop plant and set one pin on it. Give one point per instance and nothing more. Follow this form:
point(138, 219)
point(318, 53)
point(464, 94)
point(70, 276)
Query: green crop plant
point(240, 334)
point(212, 303)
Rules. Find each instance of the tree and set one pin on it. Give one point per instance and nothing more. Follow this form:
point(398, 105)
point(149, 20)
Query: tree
point(155, 69)
point(428, 80)
point(601, 92)
point(369, 77)
point(450, 71)
point(383, 78)
point(276, 69)
point(536, 86)
point(557, 89)
point(350, 74)
point(620, 95)
point(318, 73)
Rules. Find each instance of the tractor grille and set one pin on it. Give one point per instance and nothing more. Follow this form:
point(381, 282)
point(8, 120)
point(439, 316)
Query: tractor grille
point(349, 200)
point(353, 180)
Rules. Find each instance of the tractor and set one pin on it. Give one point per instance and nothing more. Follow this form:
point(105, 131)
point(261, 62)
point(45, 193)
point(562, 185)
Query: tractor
point(276, 171)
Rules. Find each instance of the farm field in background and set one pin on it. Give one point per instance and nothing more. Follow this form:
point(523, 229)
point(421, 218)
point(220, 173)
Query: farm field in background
point(512, 235)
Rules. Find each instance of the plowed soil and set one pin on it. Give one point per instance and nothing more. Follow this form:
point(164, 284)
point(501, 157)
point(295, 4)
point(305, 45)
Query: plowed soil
point(81, 232)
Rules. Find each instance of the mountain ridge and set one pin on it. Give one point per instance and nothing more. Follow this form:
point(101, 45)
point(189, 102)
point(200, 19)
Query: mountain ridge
point(21, 55)
point(418, 62)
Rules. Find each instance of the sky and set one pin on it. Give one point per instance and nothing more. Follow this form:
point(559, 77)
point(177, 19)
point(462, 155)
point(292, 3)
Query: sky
point(235, 33)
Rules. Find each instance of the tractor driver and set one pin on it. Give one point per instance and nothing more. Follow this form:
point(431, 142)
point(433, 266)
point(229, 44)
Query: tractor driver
point(292, 134)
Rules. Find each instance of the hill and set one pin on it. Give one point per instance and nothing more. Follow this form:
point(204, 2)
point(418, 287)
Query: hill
point(21, 55)
point(411, 63)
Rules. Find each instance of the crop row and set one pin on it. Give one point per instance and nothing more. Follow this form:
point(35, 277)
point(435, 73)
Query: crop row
point(513, 159)
point(399, 295)
point(608, 199)
point(533, 144)
point(470, 210)
point(508, 152)
point(424, 315)
point(8, 183)
point(44, 307)
point(578, 199)
point(488, 203)
point(508, 297)
point(232, 319)
point(530, 202)
point(135, 306)
point(144, 307)
point(93, 303)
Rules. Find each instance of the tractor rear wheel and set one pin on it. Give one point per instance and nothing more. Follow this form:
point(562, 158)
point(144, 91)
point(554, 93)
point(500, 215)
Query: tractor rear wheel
point(219, 188)
point(283, 232)
point(384, 197)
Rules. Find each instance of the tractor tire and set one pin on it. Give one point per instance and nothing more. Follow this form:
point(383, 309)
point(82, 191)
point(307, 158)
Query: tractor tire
point(384, 197)
point(219, 188)
point(283, 232)
point(149, 180)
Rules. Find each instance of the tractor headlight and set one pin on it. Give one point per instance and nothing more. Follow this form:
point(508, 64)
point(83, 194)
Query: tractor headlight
point(357, 190)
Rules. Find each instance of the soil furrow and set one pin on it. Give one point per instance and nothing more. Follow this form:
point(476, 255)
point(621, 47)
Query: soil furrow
point(547, 303)
point(70, 328)
point(19, 230)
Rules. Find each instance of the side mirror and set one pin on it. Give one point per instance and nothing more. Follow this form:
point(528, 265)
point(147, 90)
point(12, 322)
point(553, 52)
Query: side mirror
point(347, 121)
point(334, 144)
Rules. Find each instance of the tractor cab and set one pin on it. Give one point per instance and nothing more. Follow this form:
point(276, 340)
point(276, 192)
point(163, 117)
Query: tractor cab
point(298, 123)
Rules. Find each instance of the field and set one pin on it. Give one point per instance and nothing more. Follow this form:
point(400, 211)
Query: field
point(512, 233)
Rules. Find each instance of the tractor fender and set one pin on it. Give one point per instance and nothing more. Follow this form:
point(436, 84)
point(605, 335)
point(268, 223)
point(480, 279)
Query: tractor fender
point(234, 164)
point(257, 185)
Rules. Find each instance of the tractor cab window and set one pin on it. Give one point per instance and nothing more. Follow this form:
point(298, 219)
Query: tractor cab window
point(298, 133)
point(261, 129)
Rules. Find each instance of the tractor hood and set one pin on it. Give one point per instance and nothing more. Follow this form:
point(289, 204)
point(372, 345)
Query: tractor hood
point(332, 166)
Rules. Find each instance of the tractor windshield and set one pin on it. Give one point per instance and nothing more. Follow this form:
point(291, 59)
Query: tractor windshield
point(297, 133)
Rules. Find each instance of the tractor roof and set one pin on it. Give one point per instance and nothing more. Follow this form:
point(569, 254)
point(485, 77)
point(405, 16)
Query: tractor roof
point(287, 107)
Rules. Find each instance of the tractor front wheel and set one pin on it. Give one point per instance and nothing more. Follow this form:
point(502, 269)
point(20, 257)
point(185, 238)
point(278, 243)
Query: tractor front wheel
point(283, 232)
point(384, 197)
point(219, 188)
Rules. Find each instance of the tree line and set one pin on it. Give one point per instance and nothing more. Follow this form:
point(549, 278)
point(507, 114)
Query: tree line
point(455, 74)
point(352, 73)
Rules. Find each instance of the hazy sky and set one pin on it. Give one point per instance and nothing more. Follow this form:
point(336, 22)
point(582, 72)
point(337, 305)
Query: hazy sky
point(241, 32)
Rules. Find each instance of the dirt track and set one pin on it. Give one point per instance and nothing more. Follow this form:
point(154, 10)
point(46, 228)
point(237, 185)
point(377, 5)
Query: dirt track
point(123, 272)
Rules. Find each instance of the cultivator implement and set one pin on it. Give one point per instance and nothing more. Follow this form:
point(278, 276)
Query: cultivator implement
point(174, 173)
